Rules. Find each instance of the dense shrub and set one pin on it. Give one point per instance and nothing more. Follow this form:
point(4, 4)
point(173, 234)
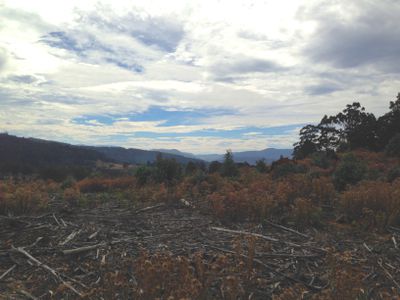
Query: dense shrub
point(286, 167)
point(393, 174)
point(261, 166)
point(393, 147)
point(376, 204)
point(93, 185)
point(24, 197)
point(143, 175)
point(350, 171)
point(167, 170)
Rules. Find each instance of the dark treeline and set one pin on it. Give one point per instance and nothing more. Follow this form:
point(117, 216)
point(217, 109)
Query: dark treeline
point(52, 160)
point(351, 129)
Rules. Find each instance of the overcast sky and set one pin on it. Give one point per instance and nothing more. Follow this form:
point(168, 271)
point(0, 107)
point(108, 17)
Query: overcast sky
point(199, 76)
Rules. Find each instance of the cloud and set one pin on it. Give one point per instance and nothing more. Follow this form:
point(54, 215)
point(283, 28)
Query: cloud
point(162, 32)
point(321, 89)
point(234, 68)
point(371, 37)
point(3, 59)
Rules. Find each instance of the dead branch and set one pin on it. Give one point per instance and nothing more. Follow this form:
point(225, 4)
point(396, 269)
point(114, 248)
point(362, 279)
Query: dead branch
point(8, 271)
point(82, 249)
point(245, 233)
point(27, 295)
point(46, 267)
point(70, 237)
point(287, 229)
point(148, 208)
point(388, 275)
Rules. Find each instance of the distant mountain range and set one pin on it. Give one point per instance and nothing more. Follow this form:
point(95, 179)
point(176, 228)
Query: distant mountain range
point(138, 156)
point(17, 153)
point(269, 155)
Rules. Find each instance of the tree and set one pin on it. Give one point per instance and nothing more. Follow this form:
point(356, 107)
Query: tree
point(214, 167)
point(190, 168)
point(261, 166)
point(357, 127)
point(167, 170)
point(393, 147)
point(352, 128)
point(229, 168)
point(308, 143)
point(350, 171)
point(389, 123)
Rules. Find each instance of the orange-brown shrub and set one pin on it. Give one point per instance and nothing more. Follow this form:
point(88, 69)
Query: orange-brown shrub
point(373, 202)
point(323, 191)
point(92, 185)
point(24, 197)
point(165, 276)
point(304, 212)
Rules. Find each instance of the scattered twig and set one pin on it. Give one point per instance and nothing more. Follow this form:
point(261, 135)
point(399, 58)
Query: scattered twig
point(388, 275)
point(148, 208)
point(82, 249)
point(268, 238)
point(70, 237)
point(58, 222)
point(286, 229)
point(93, 235)
point(271, 269)
point(27, 295)
point(7, 272)
point(394, 242)
point(368, 248)
point(46, 267)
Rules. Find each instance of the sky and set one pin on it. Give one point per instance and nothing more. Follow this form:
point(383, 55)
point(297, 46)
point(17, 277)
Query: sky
point(198, 76)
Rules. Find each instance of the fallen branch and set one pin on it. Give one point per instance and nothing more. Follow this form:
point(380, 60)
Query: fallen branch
point(27, 295)
point(388, 275)
point(82, 249)
point(267, 238)
point(46, 267)
point(6, 272)
point(245, 233)
point(287, 229)
point(70, 237)
point(148, 208)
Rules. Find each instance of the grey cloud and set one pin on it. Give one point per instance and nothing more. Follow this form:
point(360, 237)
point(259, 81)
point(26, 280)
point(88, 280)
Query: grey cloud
point(163, 33)
point(226, 70)
point(27, 79)
point(322, 89)
point(88, 47)
point(3, 59)
point(252, 36)
point(371, 37)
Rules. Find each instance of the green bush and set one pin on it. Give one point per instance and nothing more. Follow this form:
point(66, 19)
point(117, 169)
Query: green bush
point(143, 175)
point(261, 166)
point(393, 147)
point(351, 170)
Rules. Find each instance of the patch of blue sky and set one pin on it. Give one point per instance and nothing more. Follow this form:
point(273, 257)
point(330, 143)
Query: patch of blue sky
point(246, 132)
point(168, 117)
